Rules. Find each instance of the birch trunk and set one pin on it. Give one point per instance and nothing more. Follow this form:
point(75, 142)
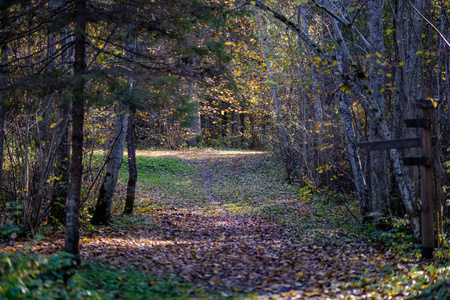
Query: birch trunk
point(358, 174)
point(103, 208)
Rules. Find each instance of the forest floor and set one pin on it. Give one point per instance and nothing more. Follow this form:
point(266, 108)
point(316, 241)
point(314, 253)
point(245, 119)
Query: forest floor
point(225, 224)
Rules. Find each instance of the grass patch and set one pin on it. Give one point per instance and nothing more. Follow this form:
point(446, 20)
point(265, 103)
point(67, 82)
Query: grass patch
point(164, 181)
point(39, 277)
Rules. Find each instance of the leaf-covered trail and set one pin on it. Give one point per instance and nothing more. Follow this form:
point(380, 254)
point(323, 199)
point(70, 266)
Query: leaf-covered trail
point(212, 227)
point(220, 242)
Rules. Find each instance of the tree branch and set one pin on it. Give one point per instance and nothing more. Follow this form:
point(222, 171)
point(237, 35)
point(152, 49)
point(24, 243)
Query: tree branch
point(429, 23)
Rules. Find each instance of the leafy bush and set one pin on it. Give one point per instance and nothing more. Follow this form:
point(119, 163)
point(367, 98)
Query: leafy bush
point(39, 277)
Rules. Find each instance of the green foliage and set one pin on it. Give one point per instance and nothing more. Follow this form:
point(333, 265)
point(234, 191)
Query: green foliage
point(9, 229)
point(396, 238)
point(39, 277)
point(113, 283)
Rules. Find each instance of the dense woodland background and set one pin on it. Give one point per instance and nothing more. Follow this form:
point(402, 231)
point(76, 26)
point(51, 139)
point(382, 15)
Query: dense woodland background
point(306, 80)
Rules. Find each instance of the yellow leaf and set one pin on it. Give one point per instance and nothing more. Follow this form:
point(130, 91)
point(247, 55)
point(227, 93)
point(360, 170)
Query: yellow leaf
point(335, 63)
point(378, 54)
point(39, 119)
point(419, 52)
point(253, 2)
point(388, 74)
point(389, 31)
point(435, 103)
point(401, 63)
point(369, 56)
point(53, 126)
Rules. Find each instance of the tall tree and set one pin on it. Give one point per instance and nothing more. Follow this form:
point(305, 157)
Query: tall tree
point(78, 103)
point(378, 159)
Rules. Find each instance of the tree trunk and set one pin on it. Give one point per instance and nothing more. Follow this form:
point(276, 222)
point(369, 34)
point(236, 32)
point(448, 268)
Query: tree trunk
point(60, 191)
point(78, 100)
point(132, 167)
point(58, 200)
point(378, 159)
point(358, 174)
point(103, 208)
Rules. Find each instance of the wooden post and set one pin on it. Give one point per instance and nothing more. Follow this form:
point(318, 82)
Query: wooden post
point(427, 193)
point(427, 184)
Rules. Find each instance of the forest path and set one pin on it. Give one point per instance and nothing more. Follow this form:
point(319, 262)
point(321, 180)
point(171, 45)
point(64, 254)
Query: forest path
point(217, 232)
point(227, 222)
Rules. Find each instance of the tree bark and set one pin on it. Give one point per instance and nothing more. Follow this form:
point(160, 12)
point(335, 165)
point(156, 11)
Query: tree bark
point(78, 100)
point(60, 191)
point(103, 208)
point(378, 159)
point(132, 167)
point(358, 174)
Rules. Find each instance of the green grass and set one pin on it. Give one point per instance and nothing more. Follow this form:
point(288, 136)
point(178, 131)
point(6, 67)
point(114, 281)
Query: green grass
point(38, 277)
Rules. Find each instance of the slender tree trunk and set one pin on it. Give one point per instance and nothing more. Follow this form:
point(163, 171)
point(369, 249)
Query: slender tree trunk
point(78, 100)
point(60, 191)
point(132, 167)
point(103, 208)
point(62, 168)
point(378, 159)
point(358, 174)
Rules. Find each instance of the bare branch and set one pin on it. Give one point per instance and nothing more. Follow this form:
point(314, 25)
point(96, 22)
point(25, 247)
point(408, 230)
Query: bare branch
point(429, 23)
